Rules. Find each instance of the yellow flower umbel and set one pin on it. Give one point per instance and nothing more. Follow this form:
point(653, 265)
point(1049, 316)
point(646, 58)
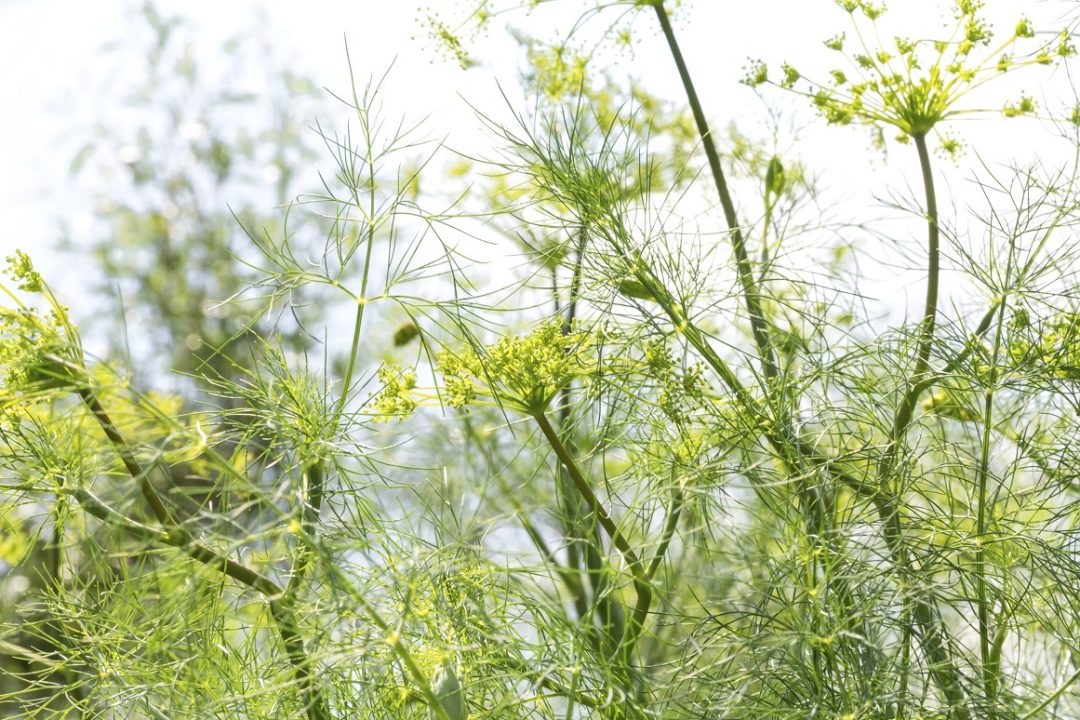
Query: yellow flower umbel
point(523, 372)
point(913, 85)
point(1052, 347)
point(39, 353)
point(394, 400)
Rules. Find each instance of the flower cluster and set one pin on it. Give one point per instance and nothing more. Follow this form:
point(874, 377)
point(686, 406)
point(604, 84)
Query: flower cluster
point(678, 390)
point(394, 399)
point(913, 85)
point(526, 372)
point(22, 271)
point(32, 351)
point(39, 354)
point(1055, 347)
point(449, 42)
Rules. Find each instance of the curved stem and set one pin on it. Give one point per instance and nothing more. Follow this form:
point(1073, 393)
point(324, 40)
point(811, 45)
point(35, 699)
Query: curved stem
point(633, 561)
point(582, 486)
point(751, 293)
point(933, 270)
point(932, 633)
point(672, 523)
point(989, 666)
point(1052, 697)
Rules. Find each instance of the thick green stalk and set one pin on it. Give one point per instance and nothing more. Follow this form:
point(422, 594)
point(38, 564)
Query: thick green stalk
point(989, 667)
point(993, 661)
point(931, 630)
point(751, 293)
point(582, 486)
point(933, 259)
point(920, 380)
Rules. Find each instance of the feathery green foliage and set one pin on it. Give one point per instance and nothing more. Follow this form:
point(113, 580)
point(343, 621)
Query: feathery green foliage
point(650, 464)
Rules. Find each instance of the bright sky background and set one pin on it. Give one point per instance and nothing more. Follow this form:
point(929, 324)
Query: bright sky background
point(53, 73)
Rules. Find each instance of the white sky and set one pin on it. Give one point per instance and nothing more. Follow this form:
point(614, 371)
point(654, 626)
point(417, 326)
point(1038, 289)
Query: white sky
point(49, 52)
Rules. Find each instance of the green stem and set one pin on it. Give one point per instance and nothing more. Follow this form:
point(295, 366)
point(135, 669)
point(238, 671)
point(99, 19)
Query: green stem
point(312, 502)
point(358, 322)
point(1052, 697)
point(571, 576)
point(993, 661)
point(982, 475)
point(932, 633)
point(751, 293)
point(582, 486)
point(920, 379)
point(578, 547)
point(673, 513)
point(905, 663)
point(641, 583)
point(157, 506)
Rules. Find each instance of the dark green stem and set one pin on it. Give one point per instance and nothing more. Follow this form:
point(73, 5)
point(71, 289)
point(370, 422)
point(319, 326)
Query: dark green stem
point(931, 630)
point(990, 668)
point(751, 293)
point(920, 379)
point(933, 258)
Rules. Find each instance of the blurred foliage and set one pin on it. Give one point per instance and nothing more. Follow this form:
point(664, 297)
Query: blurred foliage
point(209, 145)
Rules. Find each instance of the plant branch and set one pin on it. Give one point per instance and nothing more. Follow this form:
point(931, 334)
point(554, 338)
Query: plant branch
point(931, 630)
point(641, 583)
point(673, 513)
point(176, 536)
point(989, 666)
point(751, 293)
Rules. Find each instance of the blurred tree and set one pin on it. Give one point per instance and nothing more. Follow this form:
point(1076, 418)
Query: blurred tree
point(205, 149)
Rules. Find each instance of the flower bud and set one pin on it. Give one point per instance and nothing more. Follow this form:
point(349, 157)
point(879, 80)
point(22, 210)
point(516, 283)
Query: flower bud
point(448, 693)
